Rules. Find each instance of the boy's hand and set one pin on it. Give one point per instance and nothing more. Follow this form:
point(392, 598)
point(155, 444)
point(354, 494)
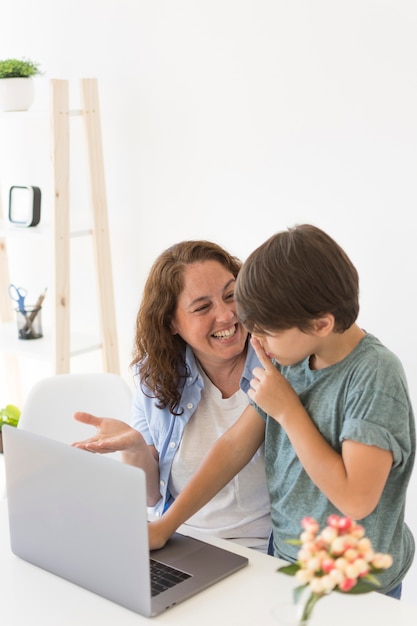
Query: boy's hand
point(269, 389)
point(158, 534)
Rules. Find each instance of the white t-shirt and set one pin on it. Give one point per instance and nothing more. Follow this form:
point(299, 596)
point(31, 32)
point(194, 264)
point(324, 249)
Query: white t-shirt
point(240, 511)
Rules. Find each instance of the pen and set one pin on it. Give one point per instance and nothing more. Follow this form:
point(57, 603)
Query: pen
point(34, 313)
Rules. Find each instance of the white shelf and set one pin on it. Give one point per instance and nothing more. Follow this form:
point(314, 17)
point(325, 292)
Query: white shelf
point(9, 230)
point(33, 114)
point(30, 114)
point(42, 348)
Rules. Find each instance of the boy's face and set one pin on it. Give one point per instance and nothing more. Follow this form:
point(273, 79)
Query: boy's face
point(288, 346)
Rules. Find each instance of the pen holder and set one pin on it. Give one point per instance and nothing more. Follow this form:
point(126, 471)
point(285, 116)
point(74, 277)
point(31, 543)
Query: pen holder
point(29, 322)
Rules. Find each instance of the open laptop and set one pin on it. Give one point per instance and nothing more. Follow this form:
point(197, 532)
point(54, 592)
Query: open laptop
point(83, 517)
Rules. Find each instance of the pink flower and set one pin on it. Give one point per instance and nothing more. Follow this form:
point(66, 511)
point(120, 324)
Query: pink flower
point(342, 524)
point(339, 557)
point(327, 565)
point(345, 524)
point(310, 525)
point(347, 584)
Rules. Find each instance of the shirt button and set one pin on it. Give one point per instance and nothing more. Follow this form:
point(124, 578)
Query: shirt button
point(190, 405)
point(162, 483)
point(157, 514)
point(172, 444)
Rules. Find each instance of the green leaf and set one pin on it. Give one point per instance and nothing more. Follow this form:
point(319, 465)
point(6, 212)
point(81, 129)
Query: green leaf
point(9, 415)
point(289, 570)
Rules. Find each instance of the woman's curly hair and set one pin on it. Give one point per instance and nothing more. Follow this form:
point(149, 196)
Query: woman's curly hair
point(159, 355)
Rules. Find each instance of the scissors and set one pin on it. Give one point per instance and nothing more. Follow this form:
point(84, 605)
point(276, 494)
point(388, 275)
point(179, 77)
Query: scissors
point(18, 294)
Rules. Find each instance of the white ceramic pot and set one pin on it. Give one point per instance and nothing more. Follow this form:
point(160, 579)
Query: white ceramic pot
point(16, 94)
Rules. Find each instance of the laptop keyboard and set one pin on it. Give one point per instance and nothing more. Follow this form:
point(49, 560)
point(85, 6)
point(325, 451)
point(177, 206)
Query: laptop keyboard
point(164, 576)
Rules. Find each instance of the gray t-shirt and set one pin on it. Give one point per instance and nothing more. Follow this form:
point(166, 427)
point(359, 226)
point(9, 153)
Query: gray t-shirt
point(362, 398)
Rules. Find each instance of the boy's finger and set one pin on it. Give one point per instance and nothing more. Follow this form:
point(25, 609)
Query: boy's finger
point(261, 354)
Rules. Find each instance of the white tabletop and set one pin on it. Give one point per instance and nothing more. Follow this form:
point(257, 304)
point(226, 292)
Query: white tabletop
point(246, 598)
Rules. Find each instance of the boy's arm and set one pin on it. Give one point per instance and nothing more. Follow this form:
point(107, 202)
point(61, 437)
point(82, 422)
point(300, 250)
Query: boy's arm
point(226, 458)
point(354, 480)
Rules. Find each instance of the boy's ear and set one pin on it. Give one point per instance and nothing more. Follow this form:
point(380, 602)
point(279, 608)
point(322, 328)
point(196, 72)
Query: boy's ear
point(324, 324)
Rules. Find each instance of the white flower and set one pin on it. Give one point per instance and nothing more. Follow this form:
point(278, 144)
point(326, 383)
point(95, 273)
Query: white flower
point(382, 561)
point(341, 563)
point(338, 545)
point(329, 534)
point(313, 564)
point(304, 576)
point(337, 576)
point(316, 585)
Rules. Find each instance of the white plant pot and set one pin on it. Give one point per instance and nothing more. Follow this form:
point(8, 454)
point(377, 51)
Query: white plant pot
point(16, 94)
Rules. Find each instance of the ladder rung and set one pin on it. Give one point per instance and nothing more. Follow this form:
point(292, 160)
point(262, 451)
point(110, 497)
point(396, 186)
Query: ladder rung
point(87, 349)
point(81, 233)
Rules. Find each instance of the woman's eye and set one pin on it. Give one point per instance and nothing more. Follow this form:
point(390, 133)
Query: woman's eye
point(230, 296)
point(201, 308)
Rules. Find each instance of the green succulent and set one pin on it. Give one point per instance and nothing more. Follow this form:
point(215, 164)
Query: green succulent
point(18, 68)
point(9, 415)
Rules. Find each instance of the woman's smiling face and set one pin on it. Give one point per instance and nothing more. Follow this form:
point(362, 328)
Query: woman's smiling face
point(205, 316)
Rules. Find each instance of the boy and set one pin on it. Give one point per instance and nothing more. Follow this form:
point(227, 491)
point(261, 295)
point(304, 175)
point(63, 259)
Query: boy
point(330, 401)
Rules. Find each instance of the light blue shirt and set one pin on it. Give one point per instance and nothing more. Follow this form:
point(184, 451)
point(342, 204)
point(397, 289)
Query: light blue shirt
point(163, 430)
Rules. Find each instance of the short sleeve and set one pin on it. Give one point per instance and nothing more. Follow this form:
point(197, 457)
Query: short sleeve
point(372, 434)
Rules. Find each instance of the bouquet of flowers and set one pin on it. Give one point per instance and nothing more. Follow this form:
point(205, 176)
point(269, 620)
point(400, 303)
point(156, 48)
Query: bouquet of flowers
point(340, 558)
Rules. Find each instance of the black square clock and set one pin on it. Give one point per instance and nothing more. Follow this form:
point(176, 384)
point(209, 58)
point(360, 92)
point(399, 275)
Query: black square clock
point(24, 206)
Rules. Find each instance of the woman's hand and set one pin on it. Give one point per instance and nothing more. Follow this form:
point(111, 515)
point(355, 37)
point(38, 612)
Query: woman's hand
point(116, 436)
point(112, 435)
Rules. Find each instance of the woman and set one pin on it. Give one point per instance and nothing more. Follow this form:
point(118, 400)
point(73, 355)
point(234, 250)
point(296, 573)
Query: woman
point(193, 365)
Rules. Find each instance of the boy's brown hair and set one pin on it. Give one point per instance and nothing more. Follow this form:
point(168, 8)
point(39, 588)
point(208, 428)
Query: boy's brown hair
point(294, 277)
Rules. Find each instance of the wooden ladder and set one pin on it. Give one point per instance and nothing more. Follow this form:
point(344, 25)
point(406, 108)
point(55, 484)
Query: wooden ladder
point(100, 232)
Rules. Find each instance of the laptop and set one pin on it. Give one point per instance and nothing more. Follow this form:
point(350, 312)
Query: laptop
point(83, 517)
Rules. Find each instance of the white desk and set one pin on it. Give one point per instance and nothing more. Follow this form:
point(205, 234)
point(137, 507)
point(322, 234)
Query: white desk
point(30, 595)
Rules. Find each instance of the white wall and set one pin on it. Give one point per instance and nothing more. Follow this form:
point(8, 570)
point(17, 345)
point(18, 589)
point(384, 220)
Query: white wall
point(232, 119)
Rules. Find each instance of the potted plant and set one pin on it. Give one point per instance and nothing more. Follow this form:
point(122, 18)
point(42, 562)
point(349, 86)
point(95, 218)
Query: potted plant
point(9, 415)
point(16, 84)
